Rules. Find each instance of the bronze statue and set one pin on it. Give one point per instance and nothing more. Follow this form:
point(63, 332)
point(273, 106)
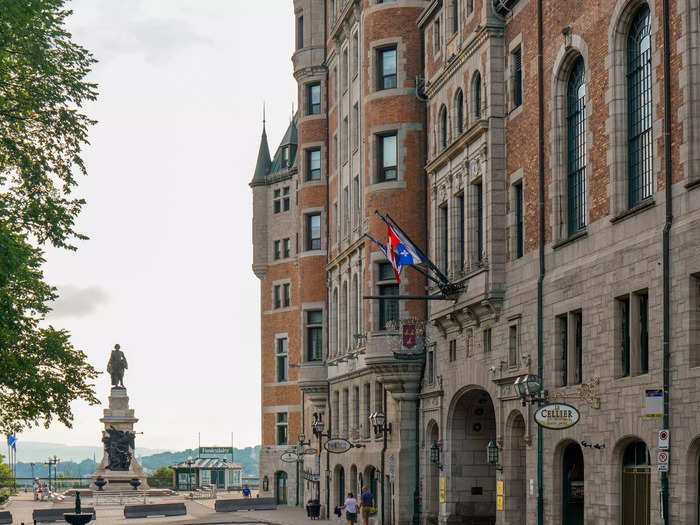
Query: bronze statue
point(116, 366)
point(119, 445)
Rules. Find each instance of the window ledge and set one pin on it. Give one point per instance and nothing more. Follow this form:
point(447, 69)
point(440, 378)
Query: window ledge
point(515, 112)
point(576, 236)
point(691, 185)
point(649, 203)
point(312, 253)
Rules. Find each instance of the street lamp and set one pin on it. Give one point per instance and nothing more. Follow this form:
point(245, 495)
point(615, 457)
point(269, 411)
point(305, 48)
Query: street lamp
point(492, 454)
point(54, 461)
point(189, 477)
point(378, 422)
point(528, 388)
point(435, 454)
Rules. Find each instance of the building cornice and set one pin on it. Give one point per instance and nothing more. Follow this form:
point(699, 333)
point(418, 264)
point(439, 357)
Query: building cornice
point(463, 141)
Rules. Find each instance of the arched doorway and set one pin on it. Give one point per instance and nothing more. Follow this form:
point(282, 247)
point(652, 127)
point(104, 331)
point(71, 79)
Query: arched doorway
point(432, 493)
point(515, 498)
point(353, 481)
point(636, 473)
point(339, 485)
point(472, 480)
point(281, 488)
point(370, 481)
point(572, 485)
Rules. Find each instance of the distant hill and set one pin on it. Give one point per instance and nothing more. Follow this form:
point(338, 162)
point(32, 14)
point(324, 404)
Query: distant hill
point(28, 451)
point(247, 458)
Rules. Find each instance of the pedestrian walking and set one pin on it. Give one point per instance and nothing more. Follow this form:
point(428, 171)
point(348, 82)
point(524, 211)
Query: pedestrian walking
point(350, 507)
point(366, 504)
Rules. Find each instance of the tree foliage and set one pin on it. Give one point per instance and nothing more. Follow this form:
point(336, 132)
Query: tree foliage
point(163, 472)
point(43, 87)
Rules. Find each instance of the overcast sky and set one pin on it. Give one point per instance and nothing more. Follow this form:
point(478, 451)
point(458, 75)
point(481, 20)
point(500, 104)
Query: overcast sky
point(167, 270)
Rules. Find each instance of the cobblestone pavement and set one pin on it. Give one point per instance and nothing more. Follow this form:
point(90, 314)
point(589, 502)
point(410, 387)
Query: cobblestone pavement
point(198, 512)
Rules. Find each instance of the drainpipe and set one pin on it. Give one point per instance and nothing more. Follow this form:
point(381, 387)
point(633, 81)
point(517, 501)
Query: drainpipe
point(328, 251)
point(381, 479)
point(328, 457)
point(540, 279)
point(667, 245)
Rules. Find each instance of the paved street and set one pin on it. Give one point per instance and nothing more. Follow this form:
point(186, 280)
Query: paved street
point(201, 511)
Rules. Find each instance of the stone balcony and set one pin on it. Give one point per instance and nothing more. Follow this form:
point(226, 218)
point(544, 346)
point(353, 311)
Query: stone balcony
point(399, 371)
point(313, 381)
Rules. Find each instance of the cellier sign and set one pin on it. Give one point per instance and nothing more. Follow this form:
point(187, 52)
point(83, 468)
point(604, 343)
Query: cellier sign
point(557, 416)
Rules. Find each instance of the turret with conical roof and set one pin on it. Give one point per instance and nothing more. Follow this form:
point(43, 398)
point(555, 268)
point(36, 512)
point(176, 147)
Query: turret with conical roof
point(262, 166)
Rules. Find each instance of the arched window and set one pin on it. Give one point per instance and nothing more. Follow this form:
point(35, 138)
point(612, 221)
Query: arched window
point(443, 127)
point(459, 111)
point(636, 474)
point(281, 488)
point(455, 16)
point(344, 319)
point(476, 94)
point(355, 307)
point(639, 108)
point(334, 324)
point(576, 147)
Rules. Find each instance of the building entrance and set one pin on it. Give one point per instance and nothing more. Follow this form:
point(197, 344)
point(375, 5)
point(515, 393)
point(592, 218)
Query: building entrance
point(572, 485)
point(472, 484)
point(636, 473)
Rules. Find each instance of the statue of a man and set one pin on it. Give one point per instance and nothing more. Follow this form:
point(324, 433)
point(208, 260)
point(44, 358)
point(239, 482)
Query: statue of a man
point(116, 366)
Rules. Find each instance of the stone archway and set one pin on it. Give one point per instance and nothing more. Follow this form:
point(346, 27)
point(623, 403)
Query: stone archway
point(572, 485)
point(514, 472)
point(471, 493)
point(339, 477)
point(432, 478)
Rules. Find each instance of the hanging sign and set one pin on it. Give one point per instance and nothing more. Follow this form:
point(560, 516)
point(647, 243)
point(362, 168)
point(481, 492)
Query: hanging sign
point(337, 445)
point(309, 451)
point(654, 403)
point(499, 502)
point(664, 436)
point(216, 450)
point(289, 457)
point(557, 416)
point(409, 335)
point(442, 490)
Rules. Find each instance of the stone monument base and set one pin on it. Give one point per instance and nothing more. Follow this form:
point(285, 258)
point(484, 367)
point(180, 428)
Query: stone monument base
point(119, 480)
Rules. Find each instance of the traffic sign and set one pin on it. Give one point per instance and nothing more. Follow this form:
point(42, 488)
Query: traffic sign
point(662, 461)
point(664, 438)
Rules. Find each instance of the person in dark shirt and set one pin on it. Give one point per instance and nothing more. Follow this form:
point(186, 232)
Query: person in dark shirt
point(366, 504)
point(246, 491)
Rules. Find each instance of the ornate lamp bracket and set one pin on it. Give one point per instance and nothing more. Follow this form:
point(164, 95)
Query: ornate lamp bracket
point(588, 392)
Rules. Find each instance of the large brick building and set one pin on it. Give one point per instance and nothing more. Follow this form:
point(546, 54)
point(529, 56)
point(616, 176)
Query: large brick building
point(546, 155)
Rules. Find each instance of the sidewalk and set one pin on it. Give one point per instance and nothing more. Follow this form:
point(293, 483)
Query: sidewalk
point(283, 515)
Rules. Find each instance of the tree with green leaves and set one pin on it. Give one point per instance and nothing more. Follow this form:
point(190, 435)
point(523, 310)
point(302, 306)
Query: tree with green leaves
point(43, 88)
point(163, 472)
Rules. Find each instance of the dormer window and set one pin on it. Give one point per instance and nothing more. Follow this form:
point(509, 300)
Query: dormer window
point(285, 157)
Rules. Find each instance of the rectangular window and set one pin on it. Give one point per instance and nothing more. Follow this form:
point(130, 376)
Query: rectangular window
point(300, 32)
point(453, 350)
point(694, 321)
point(368, 409)
point(282, 355)
point(278, 296)
point(335, 421)
point(388, 308)
point(444, 238)
point(313, 170)
point(623, 319)
point(282, 429)
point(355, 53)
point(516, 58)
point(643, 331)
point(460, 230)
point(278, 250)
point(285, 198)
point(356, 409)
point(314, 335)
point(519, 237)
point(277, 201)
point(344, 69)
point(356, 193)
point(487, 340)
point(314, 95)
point(386, 68)
point(285, 157)
point(286, 299)
point(479, 223)
point(563, 333)
point(313, 232)
point(513, 345)
point(436, 36)
point(334, 84)
point(577, 358)
point(336, 156)
point(355, 132)
point(346, 411)
point(286, 248)
point(387, 158)
point(345, 139)
point(430, 367)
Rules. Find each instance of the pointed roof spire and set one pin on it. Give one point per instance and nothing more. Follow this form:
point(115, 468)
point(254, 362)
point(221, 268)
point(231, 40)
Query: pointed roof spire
point(262, 166)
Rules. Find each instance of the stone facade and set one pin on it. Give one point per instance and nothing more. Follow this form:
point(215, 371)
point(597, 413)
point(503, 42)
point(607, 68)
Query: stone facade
point(463, 104)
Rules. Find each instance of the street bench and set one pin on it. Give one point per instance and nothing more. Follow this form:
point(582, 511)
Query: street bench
point(232, 505)
point(56, 513)
point(5, 517)
point(155, 509)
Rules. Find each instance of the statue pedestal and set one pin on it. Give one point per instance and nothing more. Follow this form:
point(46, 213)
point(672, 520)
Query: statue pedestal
point(119, 417)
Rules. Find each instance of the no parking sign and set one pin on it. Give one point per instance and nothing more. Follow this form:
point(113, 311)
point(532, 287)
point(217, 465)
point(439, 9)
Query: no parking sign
point(662, 461)
point(664, 437)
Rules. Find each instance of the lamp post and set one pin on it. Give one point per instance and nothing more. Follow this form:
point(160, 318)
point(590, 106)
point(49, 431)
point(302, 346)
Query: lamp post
point(54, 461)
point(300, 465)
point(189, 476)
point(492, 455)
point(528, 389)
point(381, 428)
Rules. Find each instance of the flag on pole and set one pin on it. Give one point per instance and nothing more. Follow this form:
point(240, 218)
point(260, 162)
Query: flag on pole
point(12, 441)
point(401, 252)
point(390, 259)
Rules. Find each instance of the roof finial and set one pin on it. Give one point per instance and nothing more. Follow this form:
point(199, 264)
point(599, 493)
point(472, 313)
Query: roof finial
point(263, 115)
